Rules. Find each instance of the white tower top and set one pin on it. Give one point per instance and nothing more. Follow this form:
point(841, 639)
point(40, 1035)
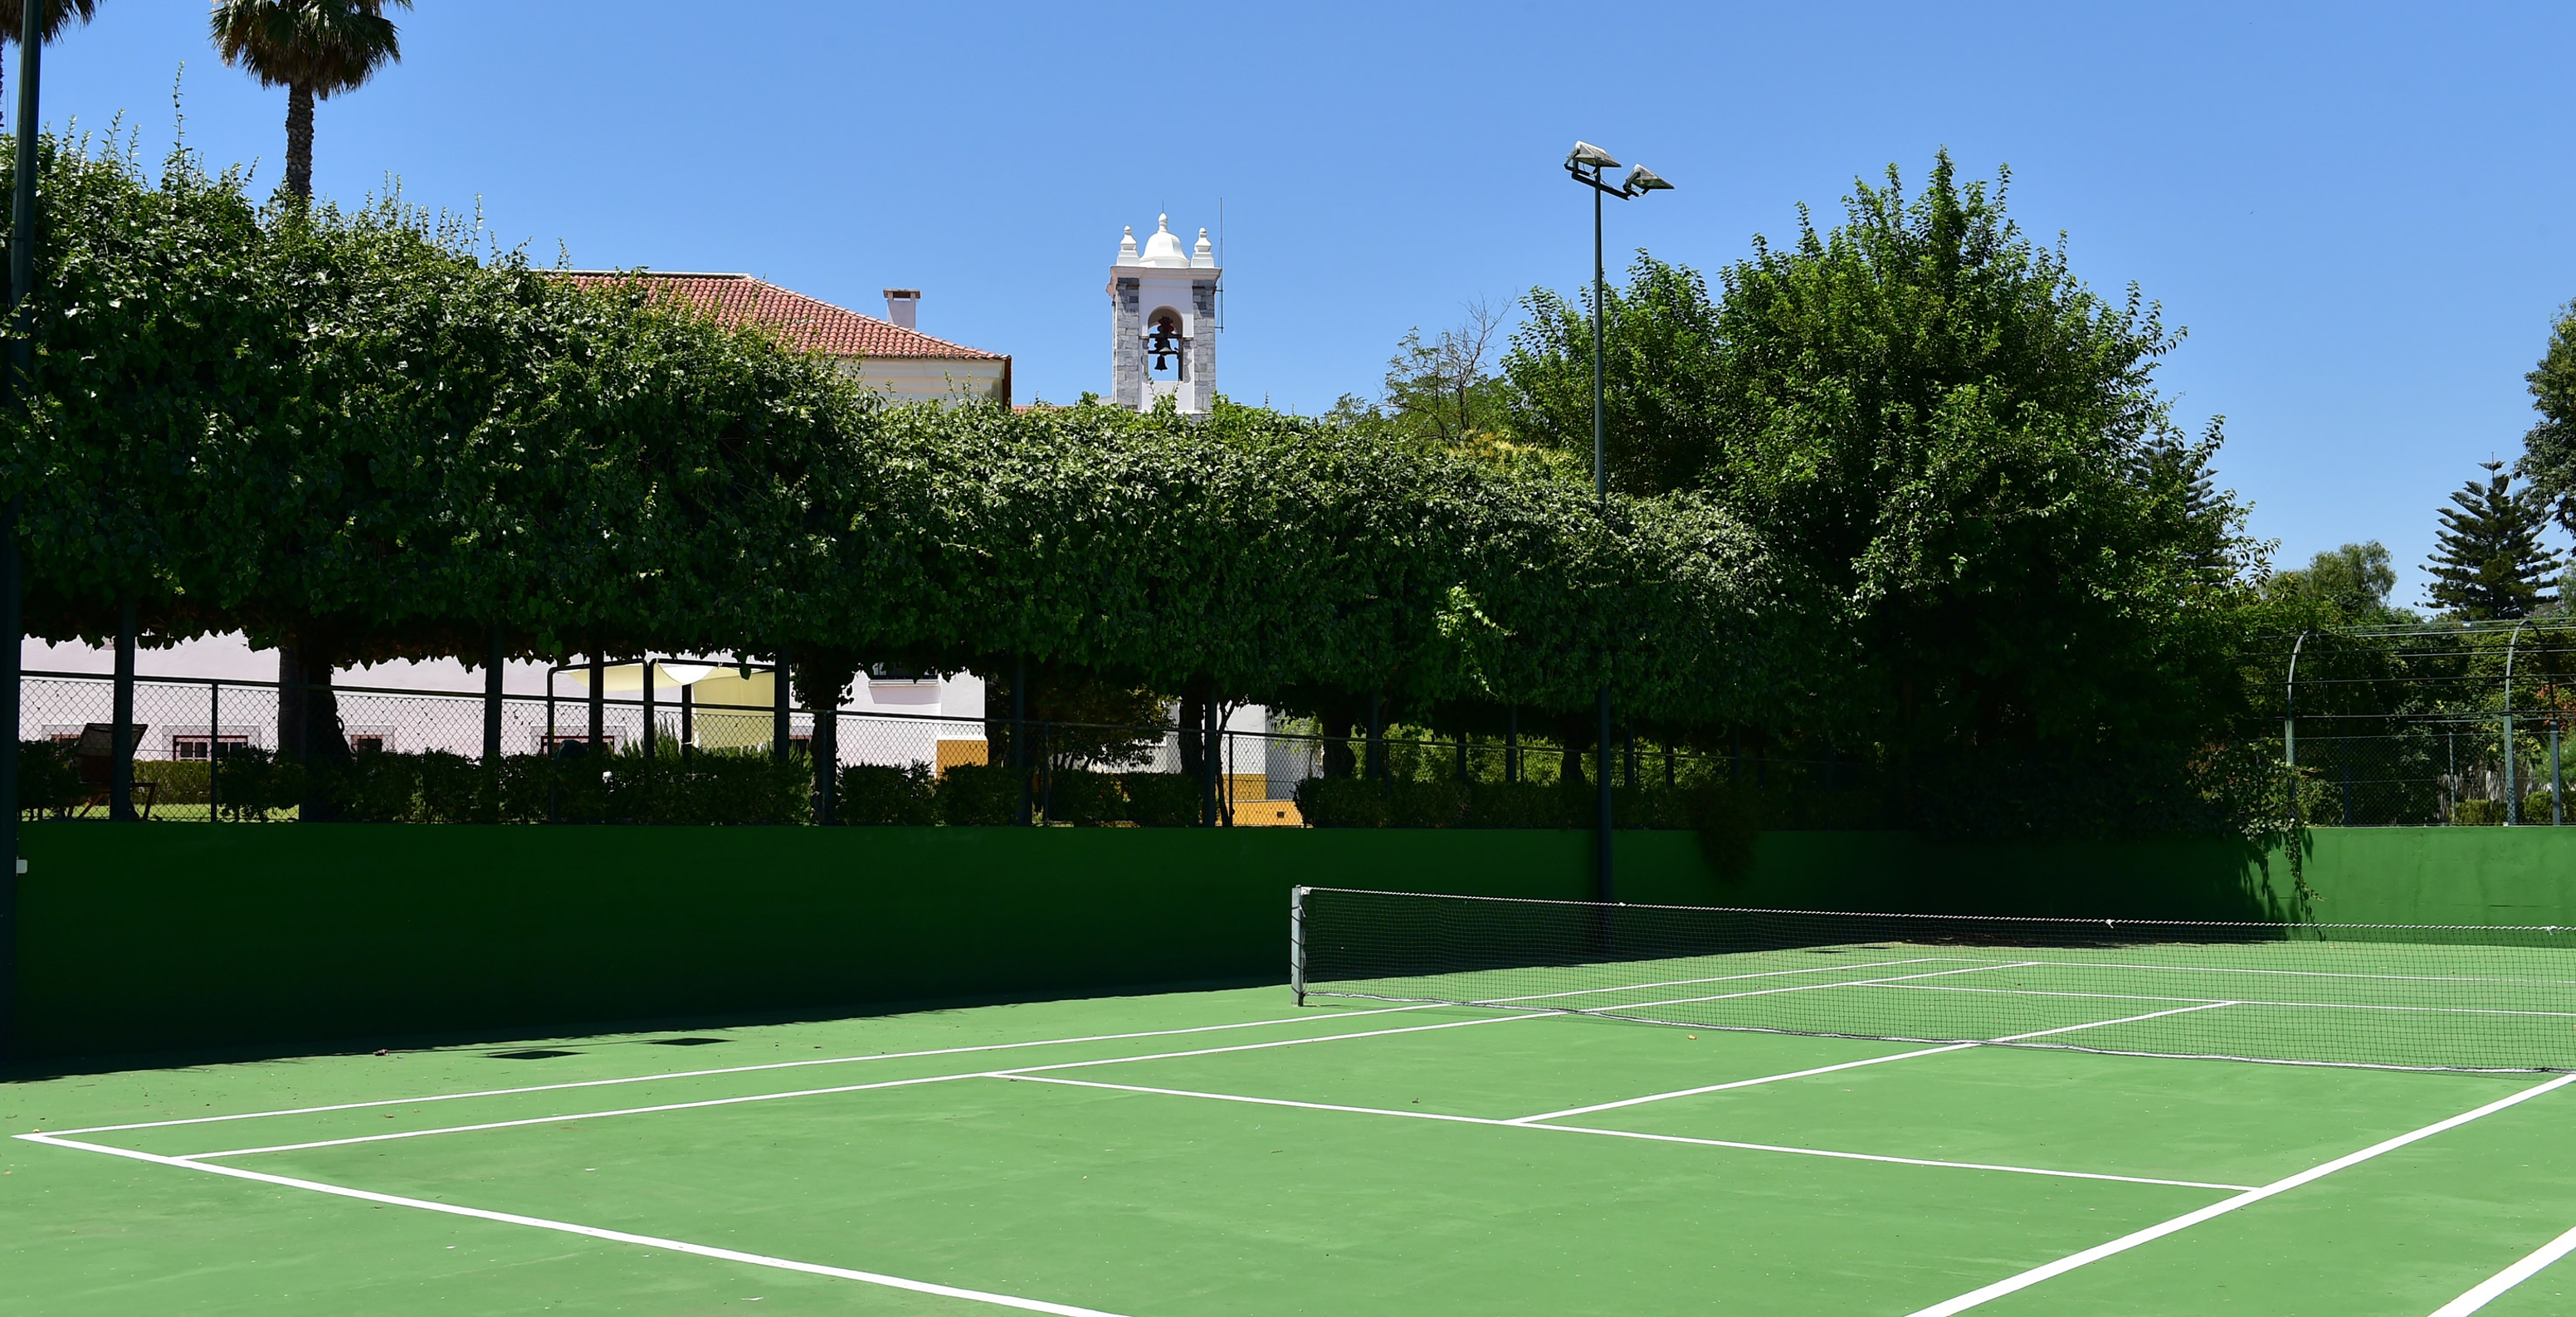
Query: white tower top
point(1162, 304)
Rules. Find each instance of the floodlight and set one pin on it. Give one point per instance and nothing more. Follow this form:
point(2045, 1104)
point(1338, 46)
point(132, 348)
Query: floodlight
point(1642, 179)
point(1587, 155)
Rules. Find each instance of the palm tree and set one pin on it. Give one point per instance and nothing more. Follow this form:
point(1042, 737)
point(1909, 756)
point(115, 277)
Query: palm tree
point(312, 48)
point(58, 15)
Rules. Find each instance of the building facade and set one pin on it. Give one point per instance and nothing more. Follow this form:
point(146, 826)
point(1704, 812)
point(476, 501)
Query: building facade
point(1162, 317)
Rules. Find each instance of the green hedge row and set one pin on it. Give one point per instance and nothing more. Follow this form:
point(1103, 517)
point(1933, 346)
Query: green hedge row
point(989, 796)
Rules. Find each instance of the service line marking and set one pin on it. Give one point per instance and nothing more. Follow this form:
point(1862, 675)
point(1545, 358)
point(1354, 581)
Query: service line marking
point(1853, 1065)
point(2493, 1287)
point(2023, 1281)
point(1619, 1134)
point(594, 1232)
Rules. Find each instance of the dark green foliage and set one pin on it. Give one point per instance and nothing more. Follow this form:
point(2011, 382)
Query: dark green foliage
point(2549, 449)
point(455, 789)
point(1527, 805)
point(48, 780)
point(177, 781)
point(2354, 580)
point(1079, 796)
point(980, 795)
point(1162, 800)
point(2488, 562)
point(2535, 807)
point(885, 794)
point(257, 784)
point(2478, 813)
point(1343, 802)
point(1960, 447)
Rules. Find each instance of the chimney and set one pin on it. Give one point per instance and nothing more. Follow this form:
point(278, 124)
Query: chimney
point(901, 304)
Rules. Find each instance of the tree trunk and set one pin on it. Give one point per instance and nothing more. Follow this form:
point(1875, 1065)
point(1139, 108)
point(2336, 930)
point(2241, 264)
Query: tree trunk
point(308, 723)
point(1192, 734)
point(120, 771)
point(299, 142)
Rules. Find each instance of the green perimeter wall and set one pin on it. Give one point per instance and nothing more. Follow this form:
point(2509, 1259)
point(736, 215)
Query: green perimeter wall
point(157, 937)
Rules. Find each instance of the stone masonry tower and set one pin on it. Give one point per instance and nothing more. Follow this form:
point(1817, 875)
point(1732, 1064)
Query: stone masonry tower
point(1162, 314)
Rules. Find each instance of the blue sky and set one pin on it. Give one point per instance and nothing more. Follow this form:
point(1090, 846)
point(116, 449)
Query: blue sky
point(2362, 213)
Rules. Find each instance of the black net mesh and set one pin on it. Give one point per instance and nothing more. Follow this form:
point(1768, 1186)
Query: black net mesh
point(2415, 997)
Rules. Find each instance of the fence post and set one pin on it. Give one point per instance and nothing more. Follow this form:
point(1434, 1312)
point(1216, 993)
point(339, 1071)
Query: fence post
point(598, 706)
point(688, 720)
point(2557, 784)
point(214, 750)
point(492, 700)
point(120, 769)
point(779, 726)
point(1512, 746)
point(2512, 798)
point(1018, 757)
point(646, 663)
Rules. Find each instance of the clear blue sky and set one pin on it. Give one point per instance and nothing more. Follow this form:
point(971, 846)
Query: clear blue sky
point(2362, 213)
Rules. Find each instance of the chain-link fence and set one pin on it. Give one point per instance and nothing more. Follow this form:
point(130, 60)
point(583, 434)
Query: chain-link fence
point(2428, 725)
point(183, 728)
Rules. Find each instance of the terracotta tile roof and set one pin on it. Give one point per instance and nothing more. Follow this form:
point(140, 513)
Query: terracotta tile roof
point(803, 321)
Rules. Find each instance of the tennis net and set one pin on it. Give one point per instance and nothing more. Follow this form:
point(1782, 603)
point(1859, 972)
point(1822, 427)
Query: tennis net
point(2387, 996)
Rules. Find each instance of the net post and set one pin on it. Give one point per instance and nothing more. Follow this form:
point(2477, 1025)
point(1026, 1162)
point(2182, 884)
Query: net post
point(1297, 942)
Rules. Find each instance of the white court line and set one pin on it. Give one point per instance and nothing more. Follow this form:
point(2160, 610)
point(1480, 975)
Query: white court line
point(1623, 1134)
point(1851, 1065)
point(741, 1099)
point(2493, 1287)
point(560, 1117)
point(2311, 973)
point(728, 1070)
point(2014, 1284)
point(2241, 1001)
point(595, 1232)
point(937, 1051)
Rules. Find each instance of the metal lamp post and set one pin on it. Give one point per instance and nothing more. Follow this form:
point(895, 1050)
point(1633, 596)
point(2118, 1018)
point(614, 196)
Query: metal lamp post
point(1587, 164)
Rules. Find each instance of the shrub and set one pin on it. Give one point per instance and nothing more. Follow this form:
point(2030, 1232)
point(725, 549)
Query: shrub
point(1082, 797)
point(1411, 804)
point(2485, 813)
point(2535, 808)
point(177, 781)
point(979, 795)
point(1526, 805)
point(48, 780)
point(1343, 802)
point(373, 787)
point(1162, 800)
point(455, 789)
point(882, 794)
point(257, 784)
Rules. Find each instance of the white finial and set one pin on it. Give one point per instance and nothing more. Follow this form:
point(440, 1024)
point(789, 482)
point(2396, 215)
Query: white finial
point(1163, 223)
point(1127, 245)
point(1203, 255)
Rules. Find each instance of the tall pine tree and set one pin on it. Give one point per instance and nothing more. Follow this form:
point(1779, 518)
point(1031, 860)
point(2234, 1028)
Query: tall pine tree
point(2488, 561)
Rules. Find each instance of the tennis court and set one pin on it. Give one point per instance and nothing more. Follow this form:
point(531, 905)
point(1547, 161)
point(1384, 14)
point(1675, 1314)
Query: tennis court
point(1545, 1150)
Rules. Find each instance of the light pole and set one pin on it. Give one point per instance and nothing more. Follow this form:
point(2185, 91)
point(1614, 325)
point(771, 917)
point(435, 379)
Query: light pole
point(1586, 164)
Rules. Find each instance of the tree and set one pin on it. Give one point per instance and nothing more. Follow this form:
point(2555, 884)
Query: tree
point(2488, 562)
point(1954, 442)
point(58, 15)
point(2356, 579)
point(2549, 448)
point(313, 48)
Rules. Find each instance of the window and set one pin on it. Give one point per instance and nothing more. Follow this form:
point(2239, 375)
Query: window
point(194, 745)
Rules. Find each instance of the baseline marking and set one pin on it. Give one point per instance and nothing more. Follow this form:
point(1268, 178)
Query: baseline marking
point(2493, 1287)
point(2013, 1284)
point(1621, 1134)
point(595, 1232)
point(1852, 1065)
point(2240, 1001)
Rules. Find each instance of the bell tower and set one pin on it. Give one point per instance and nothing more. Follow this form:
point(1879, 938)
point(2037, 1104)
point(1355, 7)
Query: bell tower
point(1162, 317)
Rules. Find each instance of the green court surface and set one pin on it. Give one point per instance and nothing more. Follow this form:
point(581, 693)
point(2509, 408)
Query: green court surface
point(1232, 1153)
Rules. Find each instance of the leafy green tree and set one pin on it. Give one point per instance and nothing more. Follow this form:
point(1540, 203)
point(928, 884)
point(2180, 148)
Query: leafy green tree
point(2549, 448)
point(2488, 562)
point(312, 48)
point(2355, 579)
point(1956, 443)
